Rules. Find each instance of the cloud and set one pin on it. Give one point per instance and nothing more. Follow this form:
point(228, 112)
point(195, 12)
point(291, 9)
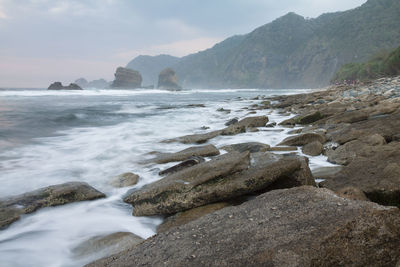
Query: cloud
point(178, 48)
point(2, 13)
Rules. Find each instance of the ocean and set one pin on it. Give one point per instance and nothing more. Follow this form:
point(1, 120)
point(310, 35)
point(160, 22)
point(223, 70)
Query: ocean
point(52, 137)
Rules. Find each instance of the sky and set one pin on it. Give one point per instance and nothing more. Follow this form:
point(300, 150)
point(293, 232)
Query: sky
point(42, 41)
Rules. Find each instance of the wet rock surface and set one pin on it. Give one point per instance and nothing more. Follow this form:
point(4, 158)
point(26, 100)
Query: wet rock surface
point(228, 176)
point(124, 180)
point(199, 151)
point(13, 207)
point(106, 245)
point(302, 226)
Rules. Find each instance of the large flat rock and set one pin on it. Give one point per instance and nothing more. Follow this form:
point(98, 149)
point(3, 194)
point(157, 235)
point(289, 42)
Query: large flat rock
point(11, 208)
point(375, 171)
point(303, 226)
point(201, 151)
point(226, 177)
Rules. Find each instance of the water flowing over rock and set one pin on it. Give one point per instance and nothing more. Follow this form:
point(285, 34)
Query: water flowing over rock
point(168, 80)
point(11, 208)
point(124, 180)
point(303, 226)
point(127, 78)
point(106, 245)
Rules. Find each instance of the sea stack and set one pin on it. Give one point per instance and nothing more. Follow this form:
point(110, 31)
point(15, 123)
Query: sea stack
point(127, 78)
point(168, 80)
point(59, 86)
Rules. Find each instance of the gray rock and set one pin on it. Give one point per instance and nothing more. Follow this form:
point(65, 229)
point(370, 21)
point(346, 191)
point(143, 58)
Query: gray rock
point(168, 80)
point(303, 139)
point(197, 151)
point(313, 149)
point(375, 171)
point(222, 178)
point(59, 86)
point(106, 245)
point(302, 226)
point(252, 147)
point(183, 165)
point(11, 208)
point(124, 180)
point(231, 122)
point(187, 216)
point(127, 78)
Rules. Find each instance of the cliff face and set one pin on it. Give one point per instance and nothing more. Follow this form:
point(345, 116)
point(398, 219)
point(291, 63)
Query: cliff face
point(294, 52)
point(127, 78)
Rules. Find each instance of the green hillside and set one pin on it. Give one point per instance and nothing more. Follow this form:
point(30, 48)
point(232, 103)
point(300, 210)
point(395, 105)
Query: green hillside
point(381, 65)
point(294, 52)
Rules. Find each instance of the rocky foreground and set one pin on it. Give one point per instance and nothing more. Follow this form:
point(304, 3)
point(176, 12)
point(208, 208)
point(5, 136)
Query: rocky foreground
point(252, 206)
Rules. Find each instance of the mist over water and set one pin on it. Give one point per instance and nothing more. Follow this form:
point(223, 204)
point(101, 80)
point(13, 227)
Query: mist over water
point(52, 137)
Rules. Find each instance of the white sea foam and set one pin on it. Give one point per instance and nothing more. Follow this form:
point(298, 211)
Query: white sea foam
point(96, 154)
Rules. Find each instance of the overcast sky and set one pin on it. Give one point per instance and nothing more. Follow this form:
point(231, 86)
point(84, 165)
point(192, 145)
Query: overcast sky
point(42, 41)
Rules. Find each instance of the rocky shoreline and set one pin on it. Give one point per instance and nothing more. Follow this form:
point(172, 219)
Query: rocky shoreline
point(253, 204)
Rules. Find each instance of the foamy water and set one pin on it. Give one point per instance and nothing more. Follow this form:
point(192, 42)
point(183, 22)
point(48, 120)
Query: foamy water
point(92, 136)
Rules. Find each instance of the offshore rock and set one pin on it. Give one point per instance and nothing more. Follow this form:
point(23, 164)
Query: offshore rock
point(13, 207)
point(127, 78)
point(168, 80)
point(59, 86)
point(303, 226)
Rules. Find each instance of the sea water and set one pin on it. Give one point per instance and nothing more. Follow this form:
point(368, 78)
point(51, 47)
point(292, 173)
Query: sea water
point(53, 137)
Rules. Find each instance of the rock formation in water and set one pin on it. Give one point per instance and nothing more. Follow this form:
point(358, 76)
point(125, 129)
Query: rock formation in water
point(100, 83)
point(59, 86)
point(168, 80)
point(127, 78)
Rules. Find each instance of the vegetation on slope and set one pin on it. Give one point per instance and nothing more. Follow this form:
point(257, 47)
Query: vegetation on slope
point(381, 65)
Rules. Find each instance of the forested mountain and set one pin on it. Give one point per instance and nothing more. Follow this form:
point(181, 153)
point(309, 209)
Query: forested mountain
point(293, 52)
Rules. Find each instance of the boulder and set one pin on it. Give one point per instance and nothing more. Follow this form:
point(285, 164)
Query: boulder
point(346, 153)
point(13, 207)
point(303, 139)
point(197, 151)
point(106, 245)
point(124, 180)
point(228, 176)
point(233, 129)
point(387, 126)
point(127, 78)
point(313, 149)
point(59, 86)
point(256, 121)
point(283, 148)
point(183, 165)
point(308, 118)
point(348, 117)
point(302, 226)
point(181, 191)
point(252, 147)
point(168, 80)
point(195, 138)
point(189, 215)
point(231, 122)
point(376, 172)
